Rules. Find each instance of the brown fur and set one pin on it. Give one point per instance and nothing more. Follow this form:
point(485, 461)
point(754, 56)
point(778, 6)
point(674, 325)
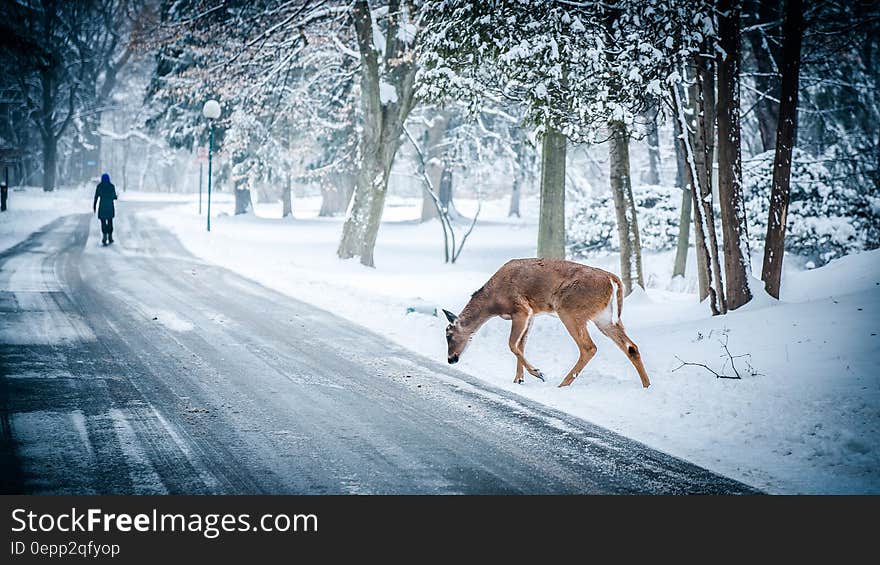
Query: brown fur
point(522, 288)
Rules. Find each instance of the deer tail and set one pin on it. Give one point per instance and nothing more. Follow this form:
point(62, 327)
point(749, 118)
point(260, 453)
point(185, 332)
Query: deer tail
point(616, 296)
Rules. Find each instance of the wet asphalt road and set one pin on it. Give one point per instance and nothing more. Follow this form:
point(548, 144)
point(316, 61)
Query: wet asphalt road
point(137, 368)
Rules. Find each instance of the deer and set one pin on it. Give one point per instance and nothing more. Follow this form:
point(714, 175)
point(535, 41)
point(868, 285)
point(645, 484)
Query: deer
point(524, 288)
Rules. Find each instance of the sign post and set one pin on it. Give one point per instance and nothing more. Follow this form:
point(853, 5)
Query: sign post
point(8, 156)
point(201, 157)
point(210, 155)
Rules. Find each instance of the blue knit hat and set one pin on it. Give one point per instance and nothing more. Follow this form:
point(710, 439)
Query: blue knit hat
point(105, 178)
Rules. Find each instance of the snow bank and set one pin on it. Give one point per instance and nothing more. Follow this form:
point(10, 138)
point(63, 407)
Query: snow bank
point(855, 273)
point(29, 209)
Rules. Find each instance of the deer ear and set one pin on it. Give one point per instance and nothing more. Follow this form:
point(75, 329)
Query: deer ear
point(450, 316)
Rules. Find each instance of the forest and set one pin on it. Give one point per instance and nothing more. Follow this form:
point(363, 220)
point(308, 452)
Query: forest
point(766, 112)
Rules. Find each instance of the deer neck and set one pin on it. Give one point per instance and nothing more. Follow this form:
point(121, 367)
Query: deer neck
point(474, 315)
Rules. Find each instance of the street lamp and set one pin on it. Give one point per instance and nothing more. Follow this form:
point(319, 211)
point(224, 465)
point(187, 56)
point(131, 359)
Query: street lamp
point(211, 111)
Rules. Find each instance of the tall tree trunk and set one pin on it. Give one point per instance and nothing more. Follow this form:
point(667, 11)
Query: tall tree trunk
point(353, 228)
point(624, 205)
point(47, 130)
point(243, 203)
point(524, 155)
point(286, 200)
point(381, 131)
point(336, 193)
point(551, 221)
point(786, 137)
point(708, 288)
point(88, 150)
point(378, 185)
point(50, 157)
point(374, 217)
point(345, 191)
point(64, 167)
point(370, 181)
point(444, 193)
point(684, 222)
point(124, 165)
point(514, 198)
point(148, 163)
point(434, 171)
point(871, 62)
point(684, 232)
point(737, 266)
point(693, 155)
point(702, 98)
point(435, 162)
point(652, 174)
point(766, 56)
point(703, 101)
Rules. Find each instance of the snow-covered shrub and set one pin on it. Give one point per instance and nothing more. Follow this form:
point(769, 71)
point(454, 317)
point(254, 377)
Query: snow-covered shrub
point(826, 219)
point(591, 224)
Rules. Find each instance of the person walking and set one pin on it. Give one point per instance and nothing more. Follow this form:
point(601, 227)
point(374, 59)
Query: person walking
point(106, 192)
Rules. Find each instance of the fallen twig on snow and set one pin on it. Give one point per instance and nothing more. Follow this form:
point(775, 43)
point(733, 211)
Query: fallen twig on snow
point(728, 357)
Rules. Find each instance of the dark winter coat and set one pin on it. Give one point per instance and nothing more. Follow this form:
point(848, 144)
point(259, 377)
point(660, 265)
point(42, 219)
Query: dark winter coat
point(107, 193)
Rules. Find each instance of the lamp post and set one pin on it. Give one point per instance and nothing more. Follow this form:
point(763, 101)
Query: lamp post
point(211, 111)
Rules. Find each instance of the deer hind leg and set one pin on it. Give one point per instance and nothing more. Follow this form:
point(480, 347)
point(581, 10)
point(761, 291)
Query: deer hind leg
point(578, 330)
point(518, 379)
point(519, 327)
point(617, 335)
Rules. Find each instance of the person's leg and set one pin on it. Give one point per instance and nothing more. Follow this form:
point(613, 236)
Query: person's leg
point(110, 230)
point(103, 231)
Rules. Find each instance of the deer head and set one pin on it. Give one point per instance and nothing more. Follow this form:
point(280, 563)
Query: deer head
point(457, 338)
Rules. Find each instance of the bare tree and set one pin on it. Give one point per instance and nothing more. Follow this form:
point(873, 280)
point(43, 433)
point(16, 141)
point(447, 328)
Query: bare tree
point(763, 43)
point(109, 38)
point(386, 100)
point(452, 247)
point(59, 77)
point(66, 75)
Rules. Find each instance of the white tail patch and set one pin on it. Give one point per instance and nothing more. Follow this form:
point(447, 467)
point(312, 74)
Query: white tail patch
point(608, 315)
point(613, 303)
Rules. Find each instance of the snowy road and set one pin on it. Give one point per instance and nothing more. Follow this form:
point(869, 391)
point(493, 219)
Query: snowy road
point(138, 369)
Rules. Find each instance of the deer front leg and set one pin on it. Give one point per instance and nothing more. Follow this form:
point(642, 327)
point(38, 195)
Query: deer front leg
point(519, 327)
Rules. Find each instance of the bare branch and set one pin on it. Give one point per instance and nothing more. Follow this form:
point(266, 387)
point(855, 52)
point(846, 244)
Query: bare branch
point(728, 359)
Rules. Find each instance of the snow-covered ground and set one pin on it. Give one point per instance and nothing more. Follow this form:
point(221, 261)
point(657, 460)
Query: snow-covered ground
point(808, 421)
point(29, 209)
